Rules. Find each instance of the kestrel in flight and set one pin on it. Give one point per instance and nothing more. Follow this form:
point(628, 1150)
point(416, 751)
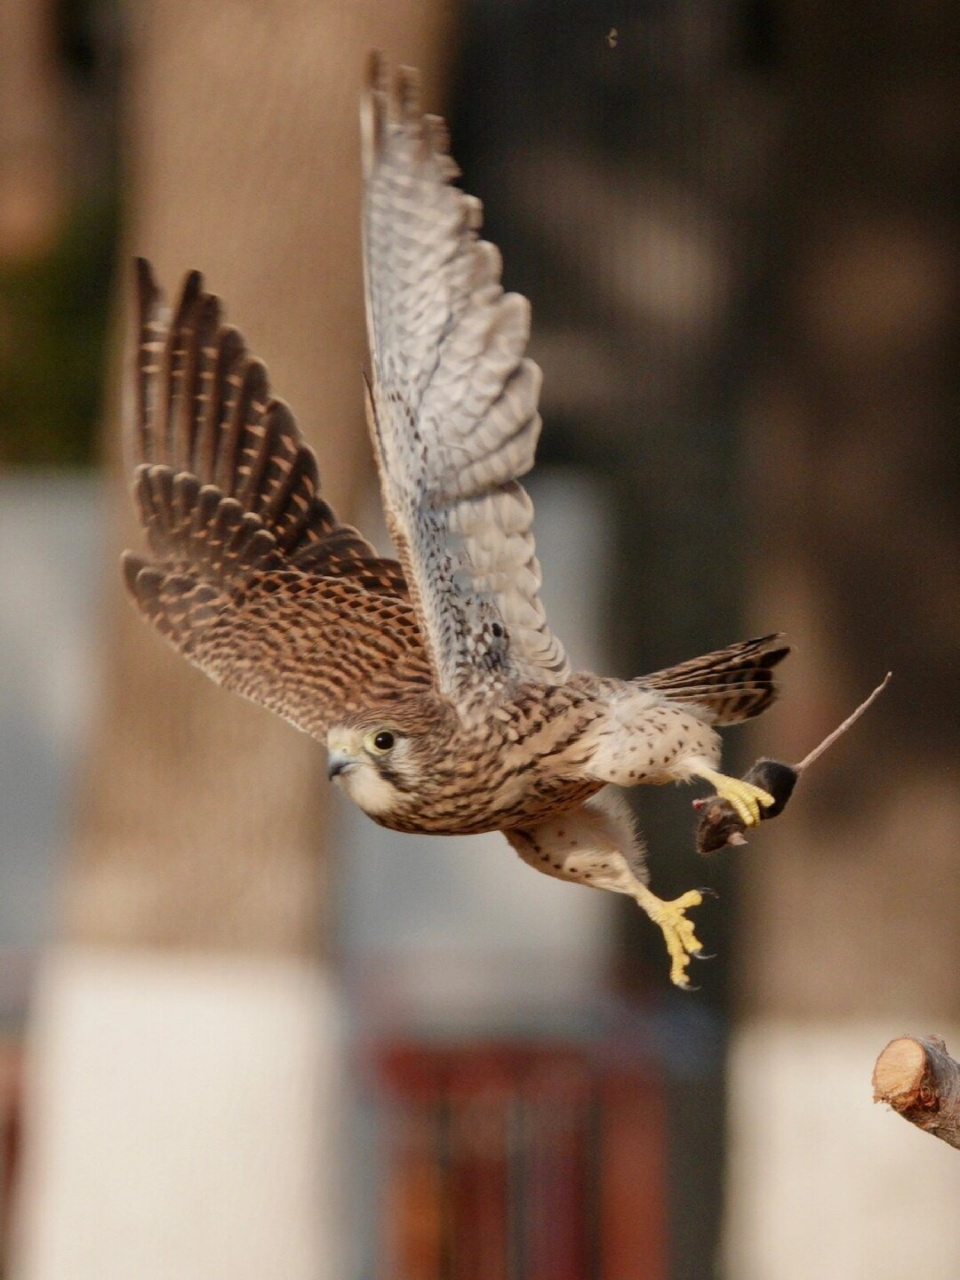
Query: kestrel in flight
point(445, 702)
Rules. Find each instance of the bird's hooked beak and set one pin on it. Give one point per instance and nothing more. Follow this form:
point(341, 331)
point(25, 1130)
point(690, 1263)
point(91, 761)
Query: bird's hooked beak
point(338, 761)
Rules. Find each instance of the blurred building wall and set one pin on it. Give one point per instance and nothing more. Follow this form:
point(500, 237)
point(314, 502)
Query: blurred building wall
point(849, 914)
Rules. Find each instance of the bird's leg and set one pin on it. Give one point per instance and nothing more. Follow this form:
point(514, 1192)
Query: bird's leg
point(682, 942)
point(745, 798)
point(597, 845)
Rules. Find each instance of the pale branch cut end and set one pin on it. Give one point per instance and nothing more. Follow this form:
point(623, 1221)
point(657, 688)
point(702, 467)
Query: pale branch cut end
point(920, 1080)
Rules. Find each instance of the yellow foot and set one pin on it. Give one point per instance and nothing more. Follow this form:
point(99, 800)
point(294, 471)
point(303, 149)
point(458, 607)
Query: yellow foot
point(743, 796)
point(678, 932)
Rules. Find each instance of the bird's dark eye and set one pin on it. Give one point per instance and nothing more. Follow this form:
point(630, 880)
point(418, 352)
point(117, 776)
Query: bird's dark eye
point(383, 740)
point(497, 630)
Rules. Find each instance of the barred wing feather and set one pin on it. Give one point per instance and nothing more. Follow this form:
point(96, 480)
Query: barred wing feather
point(452, 405)
point(251, 576)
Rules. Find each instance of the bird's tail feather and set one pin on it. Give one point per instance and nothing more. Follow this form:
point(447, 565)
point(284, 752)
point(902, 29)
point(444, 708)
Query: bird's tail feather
point(731, 684)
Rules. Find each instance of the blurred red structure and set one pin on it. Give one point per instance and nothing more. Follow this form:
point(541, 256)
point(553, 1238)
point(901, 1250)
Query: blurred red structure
point(510, 1162)
point(11, 1071)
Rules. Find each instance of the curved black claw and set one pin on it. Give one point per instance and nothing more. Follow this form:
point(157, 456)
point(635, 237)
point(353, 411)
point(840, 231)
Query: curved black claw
point(709, 893)
point(703, 955)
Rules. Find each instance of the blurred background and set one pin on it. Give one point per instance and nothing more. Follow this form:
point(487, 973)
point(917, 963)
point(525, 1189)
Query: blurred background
point(245, 1032)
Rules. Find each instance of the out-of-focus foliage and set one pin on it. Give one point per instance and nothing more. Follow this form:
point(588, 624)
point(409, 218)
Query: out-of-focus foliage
point(55, 295)
point(53, 333)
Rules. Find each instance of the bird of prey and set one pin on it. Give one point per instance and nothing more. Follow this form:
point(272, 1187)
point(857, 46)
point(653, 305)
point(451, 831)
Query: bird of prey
point(446, 703)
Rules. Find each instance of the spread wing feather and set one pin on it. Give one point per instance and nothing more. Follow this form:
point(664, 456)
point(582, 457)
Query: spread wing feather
point(253, 578)
point(452, 404)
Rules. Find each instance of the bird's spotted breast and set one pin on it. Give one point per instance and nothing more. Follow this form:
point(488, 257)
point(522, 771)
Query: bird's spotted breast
point(501, 765)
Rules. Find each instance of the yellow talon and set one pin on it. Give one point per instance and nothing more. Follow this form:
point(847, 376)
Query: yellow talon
point(682, 942)
point(743, 796)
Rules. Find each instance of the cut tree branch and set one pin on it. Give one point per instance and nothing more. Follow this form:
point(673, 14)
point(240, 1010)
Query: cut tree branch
point(920, 1080)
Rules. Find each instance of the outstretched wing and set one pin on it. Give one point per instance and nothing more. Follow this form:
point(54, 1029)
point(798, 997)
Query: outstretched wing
point(253, 579)
point(453, 404)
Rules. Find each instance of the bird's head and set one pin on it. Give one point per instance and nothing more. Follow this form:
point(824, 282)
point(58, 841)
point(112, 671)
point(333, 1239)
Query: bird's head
point(378, 764)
